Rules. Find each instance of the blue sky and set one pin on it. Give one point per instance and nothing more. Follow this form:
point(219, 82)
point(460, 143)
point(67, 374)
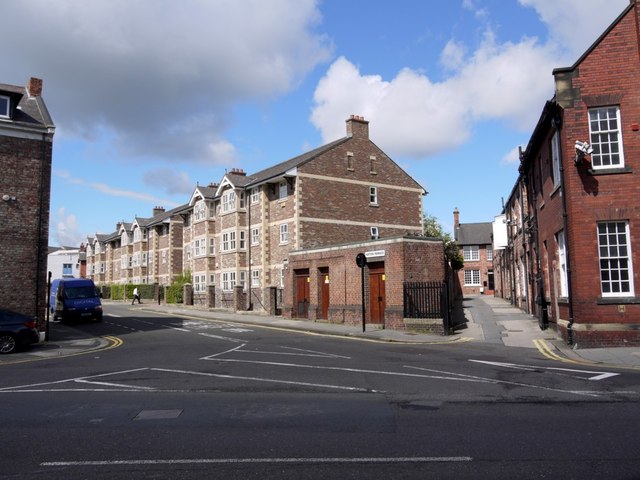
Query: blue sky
point(152, 97)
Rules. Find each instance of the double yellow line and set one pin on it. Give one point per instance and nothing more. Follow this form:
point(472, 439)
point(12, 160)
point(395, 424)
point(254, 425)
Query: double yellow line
point(545, 349)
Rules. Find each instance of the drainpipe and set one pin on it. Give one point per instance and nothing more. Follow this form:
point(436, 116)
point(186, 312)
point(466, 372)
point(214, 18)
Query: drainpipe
point(565, 225)
point(524, 241)
point(40, 218)
point(247, 203)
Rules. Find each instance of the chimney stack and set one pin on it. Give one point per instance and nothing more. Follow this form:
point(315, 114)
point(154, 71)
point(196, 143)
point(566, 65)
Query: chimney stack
point(357, 127)
point(238, 171)
point(35, 87)
point(158, 210)
point(456, 223)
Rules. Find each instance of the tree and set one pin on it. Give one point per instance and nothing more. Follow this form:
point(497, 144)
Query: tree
point(431, 228)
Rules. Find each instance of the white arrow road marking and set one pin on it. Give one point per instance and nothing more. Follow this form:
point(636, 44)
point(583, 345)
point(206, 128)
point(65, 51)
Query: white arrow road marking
point(598, 376)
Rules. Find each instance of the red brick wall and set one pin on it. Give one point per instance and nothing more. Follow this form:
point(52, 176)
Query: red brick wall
point(607, 76)
point(26, 175)
point(405, 259)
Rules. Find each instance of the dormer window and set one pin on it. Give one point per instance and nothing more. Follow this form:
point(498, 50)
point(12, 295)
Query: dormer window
point(4, 106)
point(229, 201)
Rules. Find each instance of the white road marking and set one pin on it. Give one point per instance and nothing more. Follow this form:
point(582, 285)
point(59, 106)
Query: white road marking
point(222, 353)
point(269, 380)
point(517, 384)
point(107, 384)
point(72, 379)
point(598, 376)
point(112, 315)
point(353, 370)
point(219, 337)
point(298, 460)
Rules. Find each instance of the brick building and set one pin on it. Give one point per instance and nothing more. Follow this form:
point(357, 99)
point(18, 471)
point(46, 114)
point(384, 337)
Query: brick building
point(236, 236)
point(580, 174)
point(476, 246)
point(26, 139)
point(327, 283)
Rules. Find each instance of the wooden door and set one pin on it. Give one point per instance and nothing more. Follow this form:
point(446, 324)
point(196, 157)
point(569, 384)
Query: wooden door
point(302, 294)
point(377, 302)
point(324, 293)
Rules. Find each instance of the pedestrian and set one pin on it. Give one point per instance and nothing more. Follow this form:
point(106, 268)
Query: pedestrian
point(136, 296)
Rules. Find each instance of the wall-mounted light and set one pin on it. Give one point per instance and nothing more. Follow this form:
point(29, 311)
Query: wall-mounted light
point(8, 198)
point(582, 149)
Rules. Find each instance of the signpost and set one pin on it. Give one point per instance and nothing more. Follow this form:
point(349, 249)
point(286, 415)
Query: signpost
point(361, 261)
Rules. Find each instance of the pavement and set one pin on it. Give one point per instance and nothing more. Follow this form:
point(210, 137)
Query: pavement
point(484, 319)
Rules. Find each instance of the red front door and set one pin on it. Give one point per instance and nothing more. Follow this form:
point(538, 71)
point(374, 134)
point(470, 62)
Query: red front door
point(376, 292)
point(302, 295)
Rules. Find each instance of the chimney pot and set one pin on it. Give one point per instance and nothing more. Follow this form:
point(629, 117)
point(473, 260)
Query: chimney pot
point(35, 87)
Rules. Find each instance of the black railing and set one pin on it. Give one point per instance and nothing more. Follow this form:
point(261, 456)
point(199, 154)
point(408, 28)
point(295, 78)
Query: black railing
point(422, 299)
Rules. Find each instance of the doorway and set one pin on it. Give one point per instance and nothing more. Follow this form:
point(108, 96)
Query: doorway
point(377, 302)
point(323, 280)
point(302, 293)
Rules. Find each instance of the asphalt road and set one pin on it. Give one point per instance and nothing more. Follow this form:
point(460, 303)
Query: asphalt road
point(189, 398)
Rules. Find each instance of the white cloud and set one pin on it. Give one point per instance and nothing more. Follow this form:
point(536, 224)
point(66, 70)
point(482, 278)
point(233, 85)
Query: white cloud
point(160, 76)
point(511, 157)
point(412, 115)
point(66, 231)
point(168, 181)
point(576, 24)
point(112, 191)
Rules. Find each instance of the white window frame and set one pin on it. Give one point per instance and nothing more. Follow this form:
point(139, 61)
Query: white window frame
point(228, 281)
point(200, 211)
point(489, 250)
point(124, 239)
point(605, 135)
point(372, 166)
point(243, 240)
point(255, 196)
point(212, 246)
point(212, 279)
point(282, 190)
point(375, 233)
point(255, 278)
point(243, 279)
point(255, 236)
point(472, 278)
point(615, 259)
point(4, 113)
point(555, 158)
point(229, 241)
point(471, 253)
point(373, 195)
point(282, 278)
point(562, 262)
point(229, 201)
point(284, 233)
point(200, 247)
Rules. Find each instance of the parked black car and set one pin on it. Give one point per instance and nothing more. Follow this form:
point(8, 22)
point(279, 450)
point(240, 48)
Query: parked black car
point(16, 331)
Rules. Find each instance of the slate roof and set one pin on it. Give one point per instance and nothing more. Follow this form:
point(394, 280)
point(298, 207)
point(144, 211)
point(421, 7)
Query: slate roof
point(31, 111)
point(282, 167)
point(474, 233)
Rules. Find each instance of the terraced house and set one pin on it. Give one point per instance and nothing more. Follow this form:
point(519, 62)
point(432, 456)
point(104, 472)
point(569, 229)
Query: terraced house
point(236, 236)
point(575, 234)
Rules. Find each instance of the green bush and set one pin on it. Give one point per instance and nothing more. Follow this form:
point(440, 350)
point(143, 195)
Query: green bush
point(175, 291)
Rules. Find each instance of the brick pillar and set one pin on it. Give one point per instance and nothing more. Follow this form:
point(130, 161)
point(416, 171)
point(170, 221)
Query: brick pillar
point(272, 295)
point(211, 296)
point(187, 294)
point(238, 298)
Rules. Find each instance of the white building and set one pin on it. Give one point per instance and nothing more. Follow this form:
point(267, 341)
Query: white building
point(63, 262)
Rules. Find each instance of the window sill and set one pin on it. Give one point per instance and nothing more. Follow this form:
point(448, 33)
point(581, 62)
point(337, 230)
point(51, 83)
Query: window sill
point(555, 190)
point(618, 300)
point(374, 205)
point(610, 171)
